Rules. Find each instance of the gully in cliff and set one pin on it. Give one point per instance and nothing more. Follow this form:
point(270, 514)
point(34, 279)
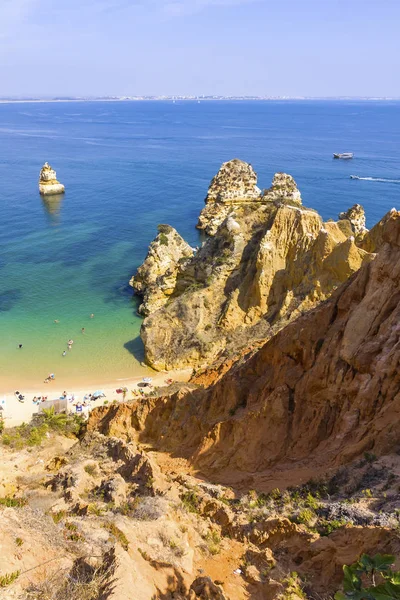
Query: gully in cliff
point(48, 184)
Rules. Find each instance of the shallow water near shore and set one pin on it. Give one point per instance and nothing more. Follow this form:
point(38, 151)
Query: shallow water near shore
point(129, 166)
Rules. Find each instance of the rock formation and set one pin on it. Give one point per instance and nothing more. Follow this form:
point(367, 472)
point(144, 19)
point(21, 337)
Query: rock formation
point(356, 216)
point(155, 279)
point(48, 184)
point(235, 182)
point(269, 260)
point(318, 395)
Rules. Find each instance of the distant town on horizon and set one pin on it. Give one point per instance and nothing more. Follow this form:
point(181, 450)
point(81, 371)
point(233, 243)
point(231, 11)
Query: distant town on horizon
point(5, 99)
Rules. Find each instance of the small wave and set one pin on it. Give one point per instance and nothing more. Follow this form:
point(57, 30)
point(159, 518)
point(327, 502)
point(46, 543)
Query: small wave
point(384, 180)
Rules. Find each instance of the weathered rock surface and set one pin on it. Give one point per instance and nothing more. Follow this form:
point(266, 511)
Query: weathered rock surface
point(155, 279)
point(48, 184)
point(235, 182)
point(270, 260)
point(320, 393)
point(356, 216)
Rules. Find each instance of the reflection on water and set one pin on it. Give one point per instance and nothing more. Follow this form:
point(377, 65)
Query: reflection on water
point(52, 206)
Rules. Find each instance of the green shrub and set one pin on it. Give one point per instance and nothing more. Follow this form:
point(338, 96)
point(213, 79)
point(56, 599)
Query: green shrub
point(162, 238)
point(191, 501)
point(9, 578)
point(118, 534)
point(371, 579)
point(13, 501)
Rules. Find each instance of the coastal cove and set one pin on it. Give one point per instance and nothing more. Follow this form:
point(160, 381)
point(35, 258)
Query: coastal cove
point(127, 167)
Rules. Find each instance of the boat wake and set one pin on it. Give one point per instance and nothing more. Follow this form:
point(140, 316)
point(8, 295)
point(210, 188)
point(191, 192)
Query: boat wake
point(375, 179)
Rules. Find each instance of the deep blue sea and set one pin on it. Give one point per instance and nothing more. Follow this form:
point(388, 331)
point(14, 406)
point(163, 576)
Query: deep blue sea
point(128, 166)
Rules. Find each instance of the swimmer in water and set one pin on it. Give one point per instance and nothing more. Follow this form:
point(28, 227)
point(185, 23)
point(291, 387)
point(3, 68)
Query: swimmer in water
point(92, 316)
point(64, 353)
point(20, 346)
point(83, 330)
point(56, 321)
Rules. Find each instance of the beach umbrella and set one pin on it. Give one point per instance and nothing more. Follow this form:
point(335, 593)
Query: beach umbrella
point(98, 394)
point(147, 379)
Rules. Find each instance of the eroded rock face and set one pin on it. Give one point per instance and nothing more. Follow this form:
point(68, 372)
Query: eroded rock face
point(48, 184)
point(356, 216)
point(235, 182)
point(319, 394)
point(266, 265)
point(155, 279)
point(283, 189)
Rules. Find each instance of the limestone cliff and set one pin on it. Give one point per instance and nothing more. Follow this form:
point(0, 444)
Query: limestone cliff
point(356, 216)
point(319, 394)
point(155, 279)
point(235, 182)
point(48, 184)
point(269, 260)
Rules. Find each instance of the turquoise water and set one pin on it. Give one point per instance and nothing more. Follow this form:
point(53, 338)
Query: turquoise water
point(129, 166)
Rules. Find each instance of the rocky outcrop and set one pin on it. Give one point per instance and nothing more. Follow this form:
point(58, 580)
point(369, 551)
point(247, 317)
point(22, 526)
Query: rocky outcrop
point(283, 189)
point(235, 183)
point(356, 216)
point(269, 261)
point(48, 184)
point(155, 279)
point(319, 394)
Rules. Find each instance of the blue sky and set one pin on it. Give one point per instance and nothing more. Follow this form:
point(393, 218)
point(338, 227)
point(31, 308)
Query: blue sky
point(244, 47)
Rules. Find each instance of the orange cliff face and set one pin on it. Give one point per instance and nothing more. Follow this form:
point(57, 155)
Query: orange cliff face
point(317, 395)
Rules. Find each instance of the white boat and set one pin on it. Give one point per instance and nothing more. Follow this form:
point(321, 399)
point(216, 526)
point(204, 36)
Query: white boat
point(343, 155)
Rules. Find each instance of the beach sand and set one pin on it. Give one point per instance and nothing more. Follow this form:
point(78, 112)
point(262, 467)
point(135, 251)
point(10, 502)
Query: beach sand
point(15, 412)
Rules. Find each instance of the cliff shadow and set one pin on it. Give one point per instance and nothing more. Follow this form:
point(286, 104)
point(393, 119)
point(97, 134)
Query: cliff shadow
point(136, 348)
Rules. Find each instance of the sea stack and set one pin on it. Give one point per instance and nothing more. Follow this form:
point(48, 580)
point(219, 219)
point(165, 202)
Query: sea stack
point(48, 184)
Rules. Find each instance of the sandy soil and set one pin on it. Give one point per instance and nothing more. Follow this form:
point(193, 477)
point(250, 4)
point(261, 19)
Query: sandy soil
point(15, 412)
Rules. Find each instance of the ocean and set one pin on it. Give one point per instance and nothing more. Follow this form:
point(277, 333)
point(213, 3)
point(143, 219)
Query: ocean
point(128, 166)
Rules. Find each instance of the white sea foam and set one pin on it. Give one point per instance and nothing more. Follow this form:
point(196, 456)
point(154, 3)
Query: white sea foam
point(384, 180)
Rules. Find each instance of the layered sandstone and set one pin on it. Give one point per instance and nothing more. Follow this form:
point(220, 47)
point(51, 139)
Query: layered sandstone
point(48, 184)
point(356, 216)
point(319, 394)
point(270, 260)
point(155, 279)
point(235, 183)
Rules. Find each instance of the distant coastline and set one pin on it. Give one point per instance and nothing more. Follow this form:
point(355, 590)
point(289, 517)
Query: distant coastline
point(8, 100)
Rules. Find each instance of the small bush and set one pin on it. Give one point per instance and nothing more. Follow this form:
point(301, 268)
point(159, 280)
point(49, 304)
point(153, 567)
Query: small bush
point(91, 469)
point(306, 517)
point(19, 541)
point(118, 534)
point(162, 238)
point(191, 501)
point(9, 578)
point(13, 501)
point(213, 540)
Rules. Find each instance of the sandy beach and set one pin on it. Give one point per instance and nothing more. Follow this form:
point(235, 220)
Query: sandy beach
point(15, 412)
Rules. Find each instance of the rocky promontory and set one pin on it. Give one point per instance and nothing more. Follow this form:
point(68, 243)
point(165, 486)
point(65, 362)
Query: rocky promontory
point(155, 279)
point(235, 182)
point(269, 260)
point(48, 184)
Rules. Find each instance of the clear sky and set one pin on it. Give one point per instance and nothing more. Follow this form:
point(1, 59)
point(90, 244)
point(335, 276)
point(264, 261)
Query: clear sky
point(227, 47)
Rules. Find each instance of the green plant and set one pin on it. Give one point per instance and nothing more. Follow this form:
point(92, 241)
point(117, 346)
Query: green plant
point(118, 534)
point(367, 493)
point(9, 578)
point(191, 501)
point(311, 502)
point(213, 540)
point(90, 469)
point(13, 501)
point(326, 527)
point(54, 420)
point(371, 578)
point(162, 238)
point(306, 516)
point(58, 516)
point(19, 541)
point(293, 587)
point(370, 457)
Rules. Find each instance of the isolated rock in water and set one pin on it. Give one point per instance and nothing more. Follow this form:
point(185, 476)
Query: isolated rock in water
point(235, 182)
point(48, 184)
point(356, 216)
point(156, 277)
point(284, 190)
